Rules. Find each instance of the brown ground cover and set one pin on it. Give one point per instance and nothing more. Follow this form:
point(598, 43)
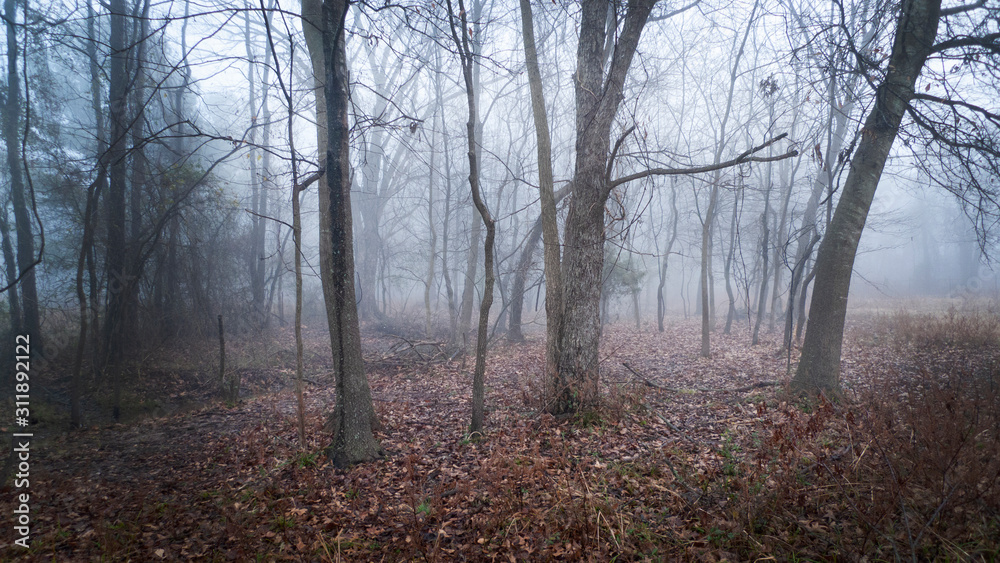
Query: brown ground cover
point(687, 459)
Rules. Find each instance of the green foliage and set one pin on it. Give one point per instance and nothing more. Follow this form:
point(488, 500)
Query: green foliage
point(622, 274)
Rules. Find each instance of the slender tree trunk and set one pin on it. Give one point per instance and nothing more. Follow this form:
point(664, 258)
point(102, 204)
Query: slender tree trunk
point(764, 273)
point(297, 239)
point(446, 220)
point(514, 332)
point(788, 171)
point(259, 243)
point(706, 266)
point(353, 417)
point(87, 240)
point(432, 259)
point(115, 202)
point(30, 320)
point(707, 288)
point(253, 254)
point(466, 55)
point(661, 306)
point(733, 226)
point(137, 181)
point(469, 289)
point(819, 365)
point(549, 220)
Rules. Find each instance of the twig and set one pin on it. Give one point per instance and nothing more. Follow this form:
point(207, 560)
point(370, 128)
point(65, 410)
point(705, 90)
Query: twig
point(702, 389)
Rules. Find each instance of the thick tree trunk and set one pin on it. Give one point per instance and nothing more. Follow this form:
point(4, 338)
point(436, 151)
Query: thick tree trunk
point(819, 365)
point(597, 100)
point(11, 271)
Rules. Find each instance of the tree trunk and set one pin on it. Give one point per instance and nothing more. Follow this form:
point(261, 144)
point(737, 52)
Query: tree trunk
point(30, 321)
point(727, 268)
point(87, 242)
point(469, 289)
point(432, 258)
point(597, 100)
point(115, 202)
point(514, 333)
point(764, 273)
point(254, 254)
point(706, 266)
point(446, 226)
point(819, 365)
point(464, 46)
point(353, 417)
point(707, 285)
point(137, 182)
point(11, 271)
point(259, 243)
point(554, 309)
point(661, 306)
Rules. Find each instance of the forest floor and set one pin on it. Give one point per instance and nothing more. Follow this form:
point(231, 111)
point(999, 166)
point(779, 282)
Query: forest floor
point(687, 459)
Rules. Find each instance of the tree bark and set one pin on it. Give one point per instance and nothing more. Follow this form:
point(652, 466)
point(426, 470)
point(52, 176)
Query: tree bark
point(514, 332)
point(661, 305)
point(466, 53)
point(10, 264)
point(87, 242)
point(254, 254)
point(819, 365)
point(598, 96)
point(353, 416)
point(549, 219)
point(115, 203)
point(727, 268)
point(30, 320)
point(432, 257)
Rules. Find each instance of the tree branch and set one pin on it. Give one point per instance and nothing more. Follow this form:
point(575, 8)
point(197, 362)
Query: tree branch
point(741, 159)
point(959, 103)
point(988, 42)
point(945, 12)
point(614, 152)
point(679, 11)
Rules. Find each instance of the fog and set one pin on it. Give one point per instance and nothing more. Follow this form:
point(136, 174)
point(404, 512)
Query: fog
point(215, 100)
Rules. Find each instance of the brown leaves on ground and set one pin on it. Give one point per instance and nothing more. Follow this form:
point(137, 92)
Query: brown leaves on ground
point(674, 465)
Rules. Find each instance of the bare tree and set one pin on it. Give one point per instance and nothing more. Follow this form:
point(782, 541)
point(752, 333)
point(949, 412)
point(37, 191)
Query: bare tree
point(29, 323)
point(548, 218)
point(819, 365)
point(353, 416)
point(467, 55)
